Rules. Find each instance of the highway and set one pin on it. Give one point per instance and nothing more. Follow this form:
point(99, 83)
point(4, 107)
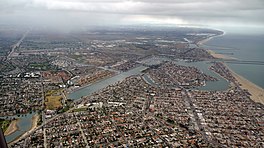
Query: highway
point(17, 45)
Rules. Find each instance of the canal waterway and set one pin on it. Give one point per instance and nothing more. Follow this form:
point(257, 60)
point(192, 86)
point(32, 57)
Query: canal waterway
point(24, 124)
point(104, 83)
point(220, 85)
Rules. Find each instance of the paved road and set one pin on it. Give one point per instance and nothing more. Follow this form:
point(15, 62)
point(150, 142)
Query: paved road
point(80, 128)
point(43, 114)
point(17, 45)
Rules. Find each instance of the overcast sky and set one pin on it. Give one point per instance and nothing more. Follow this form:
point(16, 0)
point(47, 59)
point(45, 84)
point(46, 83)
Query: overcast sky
point(76, 13)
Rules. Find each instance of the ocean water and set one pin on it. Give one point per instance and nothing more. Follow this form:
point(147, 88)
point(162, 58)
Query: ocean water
point(244, 47)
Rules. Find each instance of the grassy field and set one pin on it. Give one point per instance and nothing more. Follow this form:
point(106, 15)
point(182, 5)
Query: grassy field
point(4, 124)
point(53, 100)
point(79, 109)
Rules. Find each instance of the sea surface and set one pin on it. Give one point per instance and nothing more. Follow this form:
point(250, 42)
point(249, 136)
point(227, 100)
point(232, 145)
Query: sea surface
point(244, 47)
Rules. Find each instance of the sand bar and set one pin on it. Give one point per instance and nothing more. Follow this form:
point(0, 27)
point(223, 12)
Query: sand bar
point(11, 128)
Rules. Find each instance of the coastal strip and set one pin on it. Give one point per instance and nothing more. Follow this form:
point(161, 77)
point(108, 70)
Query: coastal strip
point(12, 127)
point(257, 93)
point(209, 38)
point(220, 56)
point(205, 40)
point(213, 53)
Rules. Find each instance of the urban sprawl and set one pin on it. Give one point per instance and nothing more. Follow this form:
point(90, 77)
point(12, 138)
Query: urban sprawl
point(162, 105)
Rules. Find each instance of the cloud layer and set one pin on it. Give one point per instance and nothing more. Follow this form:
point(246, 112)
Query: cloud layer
point(92, 12)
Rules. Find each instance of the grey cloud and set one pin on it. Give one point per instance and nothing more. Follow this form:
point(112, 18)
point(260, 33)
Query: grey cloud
point(116, 11)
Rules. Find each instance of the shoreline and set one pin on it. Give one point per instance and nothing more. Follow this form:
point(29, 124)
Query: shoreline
point(205, 40)
point(213, 53)
point(12, 127)
point(257, 93)
point(220, 56)
point(208, 39)
point(34, 123)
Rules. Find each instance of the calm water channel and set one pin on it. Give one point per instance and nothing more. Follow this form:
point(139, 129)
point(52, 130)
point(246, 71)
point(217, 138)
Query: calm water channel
point(24, 124)
point(222, 84)
point(104, 83)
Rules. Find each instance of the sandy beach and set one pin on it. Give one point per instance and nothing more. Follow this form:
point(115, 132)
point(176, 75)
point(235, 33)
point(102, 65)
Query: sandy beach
point(257, 93)
point(208, 39)
point(205, 40)
point(220, 56)
point(213, 53)
point(11, 128)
